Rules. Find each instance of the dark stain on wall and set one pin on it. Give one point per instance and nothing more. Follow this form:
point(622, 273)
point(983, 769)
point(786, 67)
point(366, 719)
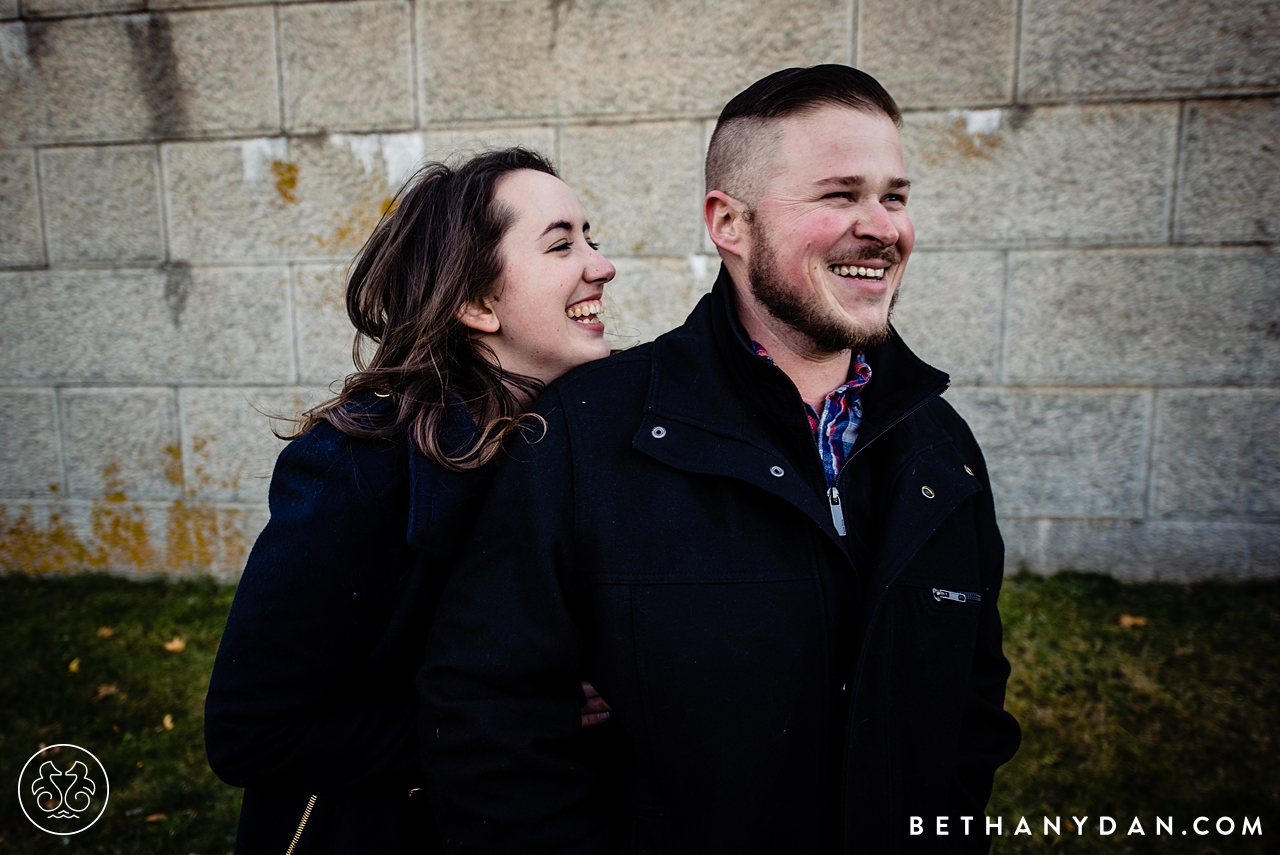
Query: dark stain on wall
point(156, 64)
point(38, 41)
point(177, 283)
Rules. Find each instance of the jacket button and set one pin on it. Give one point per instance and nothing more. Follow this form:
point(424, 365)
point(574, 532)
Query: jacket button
point(776, 471)
point(967, 469)
point(659, 432)
point(927, 492)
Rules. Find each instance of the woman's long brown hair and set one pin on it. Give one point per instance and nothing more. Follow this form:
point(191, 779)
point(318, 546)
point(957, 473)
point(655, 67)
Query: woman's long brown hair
point(435, 250)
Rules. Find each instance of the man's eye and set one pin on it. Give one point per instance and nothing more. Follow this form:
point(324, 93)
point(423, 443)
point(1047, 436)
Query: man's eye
point(841, 195)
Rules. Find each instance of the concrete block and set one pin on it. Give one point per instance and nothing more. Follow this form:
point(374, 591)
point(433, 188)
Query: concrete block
point(347, 66)
point(102, 203)
point(1042, 177)
point(20, 241)
point(323, 332)
point(135, 539)
point(641, 185)
point(8, 9)
point(1167, 317)
point(152, 76)
point(76, 7)
point(650, 296)
point(950, 312)
point(228, 448)
point(640, 58)
point(29, 463)
point(454, 147)
point(1217, 454)
point(1229, 189)
point(1136, 551)
point(122, 443)
point(169, 325)
point(1061, 454)
point(1146, 47)
point(942, 54)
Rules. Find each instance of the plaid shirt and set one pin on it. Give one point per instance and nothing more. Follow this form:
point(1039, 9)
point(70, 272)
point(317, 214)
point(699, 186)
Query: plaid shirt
point(835, 429)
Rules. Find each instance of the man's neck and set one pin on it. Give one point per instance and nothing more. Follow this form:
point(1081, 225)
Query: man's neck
point(814, 374)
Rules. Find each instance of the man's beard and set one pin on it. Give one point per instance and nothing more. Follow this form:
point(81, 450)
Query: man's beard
point(805, 313)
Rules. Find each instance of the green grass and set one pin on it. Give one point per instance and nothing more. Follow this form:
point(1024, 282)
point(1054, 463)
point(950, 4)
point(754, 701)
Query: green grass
point(1180, 717)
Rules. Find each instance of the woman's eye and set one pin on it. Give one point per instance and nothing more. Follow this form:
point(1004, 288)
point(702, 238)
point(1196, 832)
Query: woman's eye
point(560, 247)
point(593, 244)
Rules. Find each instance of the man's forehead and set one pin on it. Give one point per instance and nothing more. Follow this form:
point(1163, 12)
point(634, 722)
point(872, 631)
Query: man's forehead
point(840, 144)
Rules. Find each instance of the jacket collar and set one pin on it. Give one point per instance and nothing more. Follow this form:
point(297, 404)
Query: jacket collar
point(725, 401)
point(443, 502)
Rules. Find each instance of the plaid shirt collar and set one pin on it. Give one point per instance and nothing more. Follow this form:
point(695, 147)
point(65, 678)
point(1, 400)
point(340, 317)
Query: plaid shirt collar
point(835, 429)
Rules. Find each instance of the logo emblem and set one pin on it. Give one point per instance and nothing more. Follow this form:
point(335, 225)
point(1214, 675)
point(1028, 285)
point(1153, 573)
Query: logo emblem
point(63, 789)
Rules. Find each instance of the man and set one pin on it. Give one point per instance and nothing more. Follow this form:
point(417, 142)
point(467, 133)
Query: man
point(764, 538)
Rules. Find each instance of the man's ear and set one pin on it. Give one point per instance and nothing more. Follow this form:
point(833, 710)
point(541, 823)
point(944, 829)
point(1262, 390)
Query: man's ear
point(726, 219)
point(479, 315)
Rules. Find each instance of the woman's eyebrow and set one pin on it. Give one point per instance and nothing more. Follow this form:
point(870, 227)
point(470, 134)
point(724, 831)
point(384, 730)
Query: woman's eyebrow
point(559, 224)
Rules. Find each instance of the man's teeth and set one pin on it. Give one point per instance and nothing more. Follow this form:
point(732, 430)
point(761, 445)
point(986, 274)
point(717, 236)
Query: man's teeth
point(585, 312)
point(864, 272)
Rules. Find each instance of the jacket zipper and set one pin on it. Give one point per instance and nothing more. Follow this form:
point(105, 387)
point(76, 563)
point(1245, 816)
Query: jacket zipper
point(837, 514)
point(940, 594)
point(297, 835)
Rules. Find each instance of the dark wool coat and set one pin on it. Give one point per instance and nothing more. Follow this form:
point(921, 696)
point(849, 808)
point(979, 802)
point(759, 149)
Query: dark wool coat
point(312, 691)
point(776, 687)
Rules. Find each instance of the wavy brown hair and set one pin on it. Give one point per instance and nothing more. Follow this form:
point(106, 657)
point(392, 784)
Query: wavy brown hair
point(435, 250)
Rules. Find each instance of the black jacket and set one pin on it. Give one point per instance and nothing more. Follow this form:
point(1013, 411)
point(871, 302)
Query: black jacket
point(312, 691)
point(775, 687)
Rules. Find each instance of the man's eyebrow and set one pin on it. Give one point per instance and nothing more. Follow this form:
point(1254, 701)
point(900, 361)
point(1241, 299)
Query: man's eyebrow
point(896, 183)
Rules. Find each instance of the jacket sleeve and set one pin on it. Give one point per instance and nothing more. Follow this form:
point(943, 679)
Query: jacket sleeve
point(989, 735)
point(501, 732)
point(286, 707)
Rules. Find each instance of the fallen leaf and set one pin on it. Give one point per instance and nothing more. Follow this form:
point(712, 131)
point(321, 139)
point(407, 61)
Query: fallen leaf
point(176, 645)
point(1132, 620)
point(156, 817)
point(115, 728)
point(106, 690)
point(105, 632)
point(73, 667)
point(139, 764)
point(167, 722)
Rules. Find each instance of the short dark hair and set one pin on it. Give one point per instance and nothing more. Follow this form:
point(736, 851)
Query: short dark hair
point(435, 249)
point(746, 123)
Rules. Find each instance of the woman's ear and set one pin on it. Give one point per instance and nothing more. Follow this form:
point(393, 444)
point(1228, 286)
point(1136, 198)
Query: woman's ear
point(479, 315)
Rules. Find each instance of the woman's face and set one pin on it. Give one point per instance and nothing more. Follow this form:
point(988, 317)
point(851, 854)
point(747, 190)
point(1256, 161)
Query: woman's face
point(544, 317)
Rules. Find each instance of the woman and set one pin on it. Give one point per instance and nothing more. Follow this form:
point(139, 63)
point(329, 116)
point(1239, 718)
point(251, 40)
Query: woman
point(478, 288)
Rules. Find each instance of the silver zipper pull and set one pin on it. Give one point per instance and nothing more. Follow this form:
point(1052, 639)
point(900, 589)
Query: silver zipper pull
point(837, 515)
point(940, 594)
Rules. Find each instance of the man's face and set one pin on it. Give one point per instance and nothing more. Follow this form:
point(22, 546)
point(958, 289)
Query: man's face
point(830, 236)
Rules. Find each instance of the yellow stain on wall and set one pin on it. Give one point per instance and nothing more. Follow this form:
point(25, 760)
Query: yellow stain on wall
point(958, 142)
point(286, 180)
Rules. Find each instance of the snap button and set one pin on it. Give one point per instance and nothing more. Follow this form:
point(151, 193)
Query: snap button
point(967, 469)
point(927, 492)
point(776, 471)
point(659, 432)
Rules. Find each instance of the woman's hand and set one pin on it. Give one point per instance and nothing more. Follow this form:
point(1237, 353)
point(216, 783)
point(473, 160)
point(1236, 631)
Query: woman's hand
point(595, 710)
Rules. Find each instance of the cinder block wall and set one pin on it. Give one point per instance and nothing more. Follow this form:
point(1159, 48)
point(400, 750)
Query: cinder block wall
point(1097, 200)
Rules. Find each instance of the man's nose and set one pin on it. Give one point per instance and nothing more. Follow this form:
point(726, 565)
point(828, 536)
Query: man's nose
point(875, 223)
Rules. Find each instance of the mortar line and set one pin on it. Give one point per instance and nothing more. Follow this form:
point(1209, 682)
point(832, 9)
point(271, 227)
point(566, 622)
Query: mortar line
point(414, 71)
point(1175, 185)
point(161, 191)
point(58, 428)
point(275, 36)
point(855, 31)
point(44, 231)
point(295, 370)
point(1002, 374)
point(1153, 412)
point(1018, 12)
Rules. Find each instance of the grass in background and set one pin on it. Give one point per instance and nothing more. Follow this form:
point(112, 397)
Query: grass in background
point(1178, 716)
point(164, 798)
point(1147, 700)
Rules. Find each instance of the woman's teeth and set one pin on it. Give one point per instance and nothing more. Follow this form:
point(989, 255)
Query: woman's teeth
point(859, 272)
point(585, 313)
